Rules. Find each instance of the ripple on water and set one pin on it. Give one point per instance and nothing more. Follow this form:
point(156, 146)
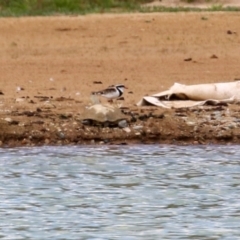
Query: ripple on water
point(120, 192)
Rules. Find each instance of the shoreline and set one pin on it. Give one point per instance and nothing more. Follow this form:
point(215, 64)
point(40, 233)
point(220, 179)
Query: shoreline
point(196, 126)
point(50, 66)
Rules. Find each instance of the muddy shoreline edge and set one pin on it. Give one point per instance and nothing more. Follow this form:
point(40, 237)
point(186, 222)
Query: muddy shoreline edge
point(148, 125)
point(50, 66)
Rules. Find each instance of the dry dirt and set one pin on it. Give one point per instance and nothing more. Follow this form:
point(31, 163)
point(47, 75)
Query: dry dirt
point(203, 4)
point(50, 65)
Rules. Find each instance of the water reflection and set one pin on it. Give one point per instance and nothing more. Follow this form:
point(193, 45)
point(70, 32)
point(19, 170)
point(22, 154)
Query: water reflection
point(120, 192)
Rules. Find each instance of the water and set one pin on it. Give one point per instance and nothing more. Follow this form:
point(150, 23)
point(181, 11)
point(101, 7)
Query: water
point(120, 192)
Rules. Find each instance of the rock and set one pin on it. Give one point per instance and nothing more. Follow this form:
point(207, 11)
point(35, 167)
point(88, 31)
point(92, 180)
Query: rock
point(195, 128)
point(122, 124)
point(48, 105)
point(18, 89)
point(127, 129)
point(18, 100)
point(61, 135)
point(189, 123)
point(9, 120)
point(97, 82)
point(137, 127)
point(214, 56)
point(188, 59)
point(232, 125)
point(104, 115)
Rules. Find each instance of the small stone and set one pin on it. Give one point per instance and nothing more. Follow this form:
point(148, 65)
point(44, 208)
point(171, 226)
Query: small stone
point(232, 126)
point(47, 141)
point(127, 129)
point(189, 123)
point(97, 82)
point(122, 124)
point(48, 105)
point(214, 56)
point(9, 120)
point(61, 135)
point(19, 100)
point(92, 141)
point(137, 127)
point(18, 89)
point(25, 141)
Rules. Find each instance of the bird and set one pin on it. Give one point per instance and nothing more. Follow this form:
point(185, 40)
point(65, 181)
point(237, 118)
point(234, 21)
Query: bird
point(111, 92)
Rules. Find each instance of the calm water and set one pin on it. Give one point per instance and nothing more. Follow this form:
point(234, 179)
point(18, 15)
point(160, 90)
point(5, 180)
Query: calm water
point(120, 192)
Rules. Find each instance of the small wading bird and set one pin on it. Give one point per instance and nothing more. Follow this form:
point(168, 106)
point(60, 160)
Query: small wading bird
point(112, 92)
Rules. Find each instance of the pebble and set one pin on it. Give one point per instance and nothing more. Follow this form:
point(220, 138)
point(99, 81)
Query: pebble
point(137, 127)
point(232, 126)
point(19, 100)
point(61, 135)
point(49, 105)
point(122, 124)
point(190, 123)
point(127, 129)
point(9, 120)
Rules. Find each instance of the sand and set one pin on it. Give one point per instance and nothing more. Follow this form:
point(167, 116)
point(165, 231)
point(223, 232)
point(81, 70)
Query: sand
point(50, 66)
